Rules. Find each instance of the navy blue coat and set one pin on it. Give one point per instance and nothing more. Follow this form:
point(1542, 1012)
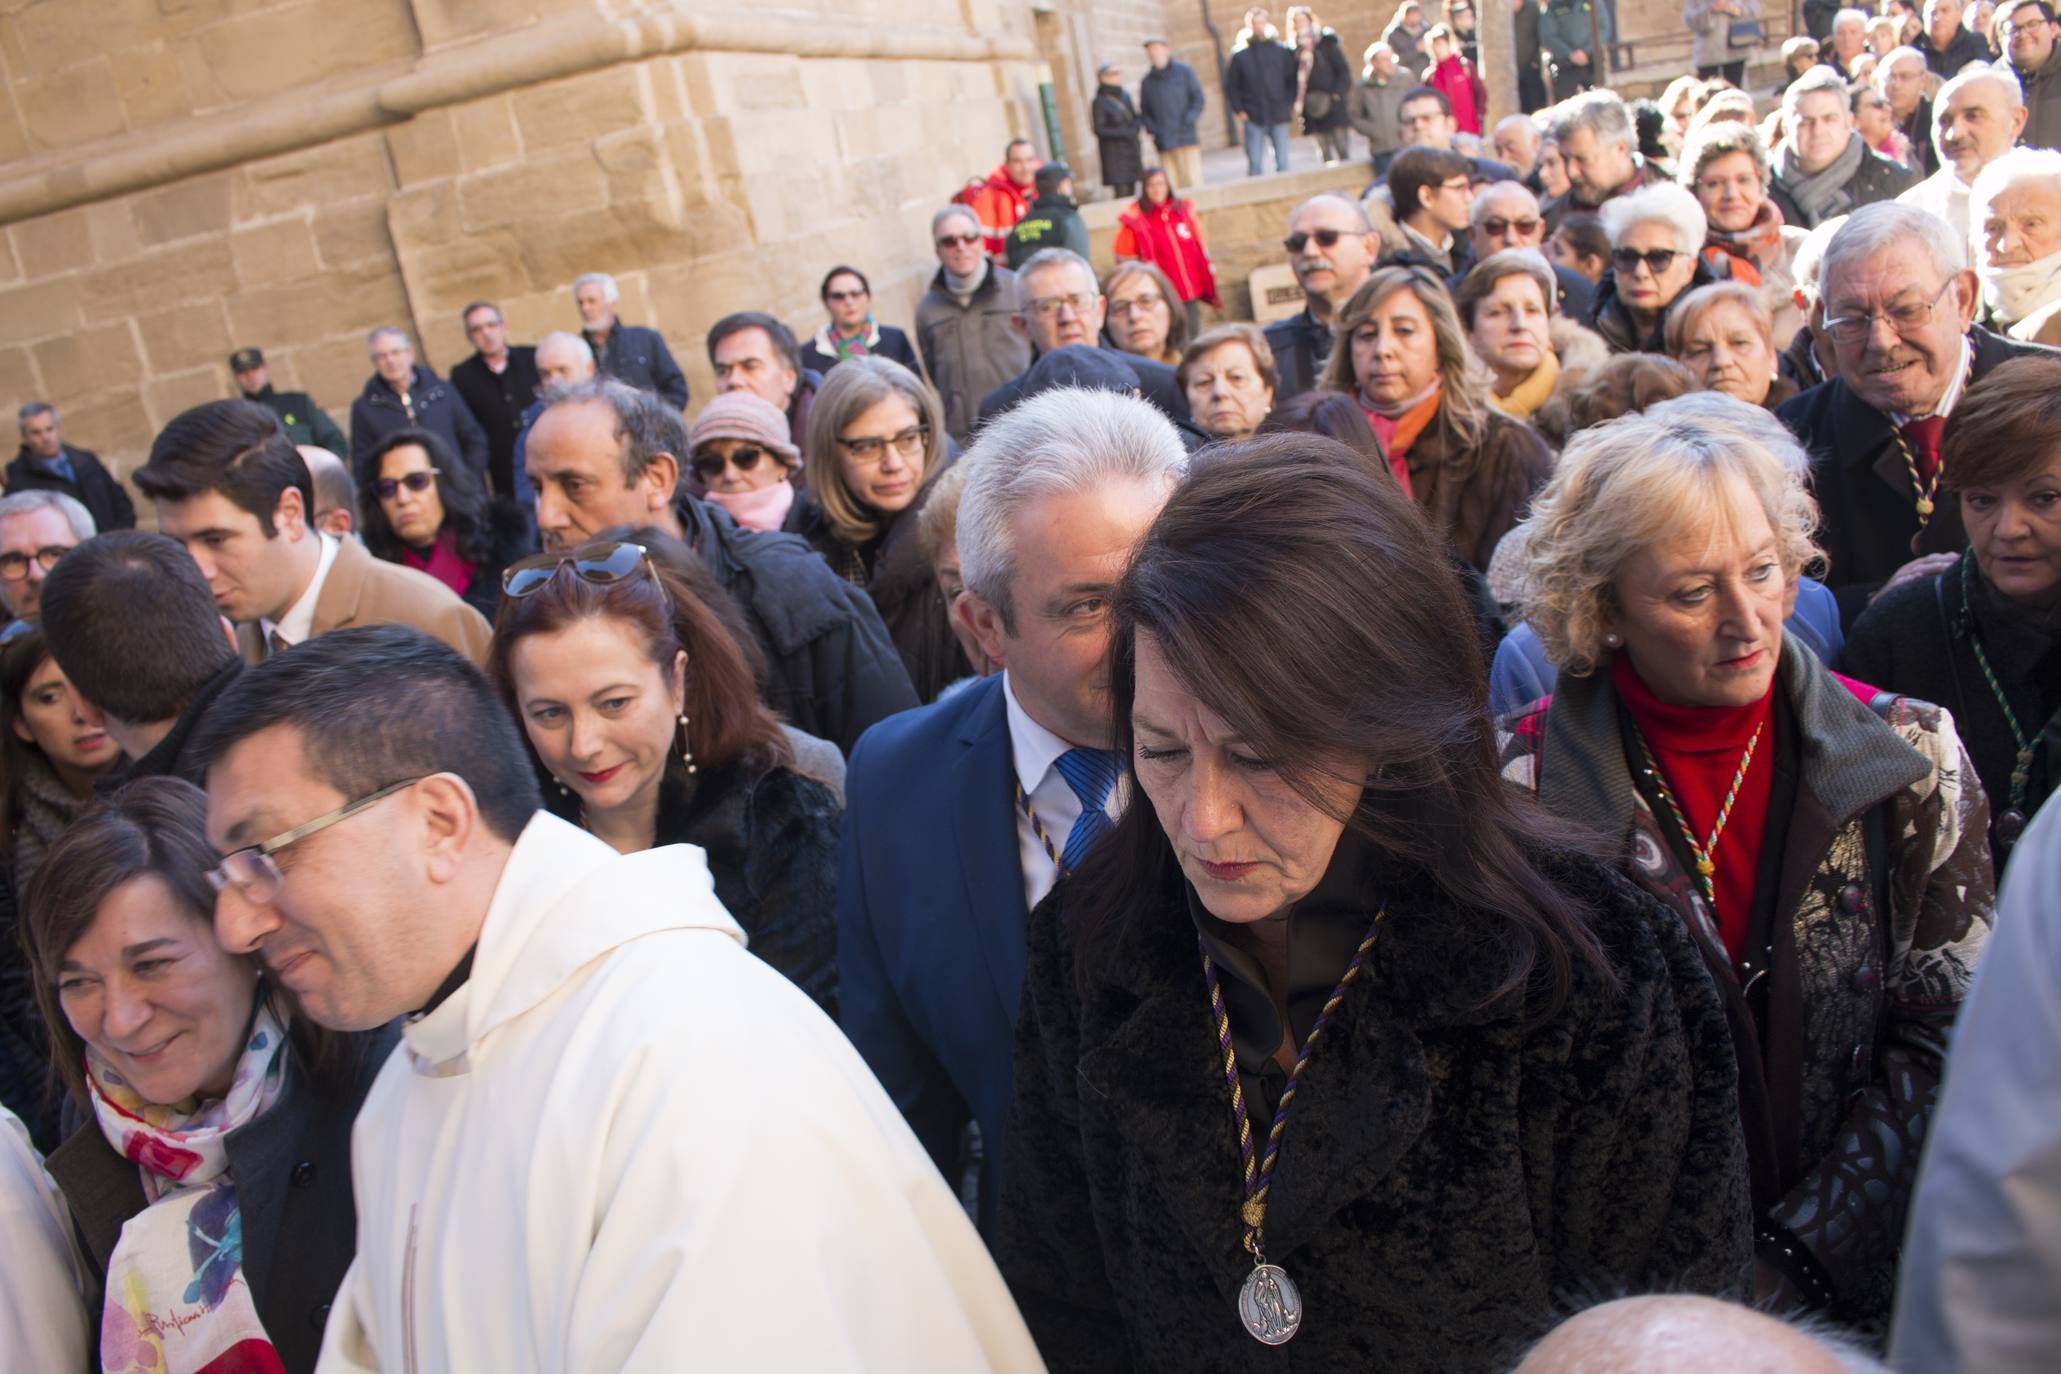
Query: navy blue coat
point(1170, 105)
point(931, 917)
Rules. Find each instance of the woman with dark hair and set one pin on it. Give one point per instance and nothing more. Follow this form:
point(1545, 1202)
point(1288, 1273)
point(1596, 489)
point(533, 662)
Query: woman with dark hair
point(209, 1180)
point(852, 332)
point(1494, 1072)
point(876, 445)
point(630, 680)
point(1817, 838)
point(1160, 230)
point(426, 510)
point(1983, 637)
point(1401, 351)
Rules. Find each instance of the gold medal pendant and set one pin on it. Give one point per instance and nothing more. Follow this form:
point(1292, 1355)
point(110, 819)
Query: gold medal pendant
point(1269, 1305)
point(1924, 509)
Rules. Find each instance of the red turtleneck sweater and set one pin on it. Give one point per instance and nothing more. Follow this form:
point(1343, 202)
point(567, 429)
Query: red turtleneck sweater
point(1698, 749)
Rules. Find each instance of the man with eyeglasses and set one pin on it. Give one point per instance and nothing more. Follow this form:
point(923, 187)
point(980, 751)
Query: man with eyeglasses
point(1332, 247)
point(1976, 117)
point(403, 394)
point(1898, 302)
point(1823, 167)
point(147, 679)
point(498, 383)
point(1506, 215)
point(613, 1138)
point(1432, 201)
point(965, 323)
point(2025, 31)
point(1059, 303)
point(605, 456)
point(305, 421)
point(1900, 78)
point(36, 529)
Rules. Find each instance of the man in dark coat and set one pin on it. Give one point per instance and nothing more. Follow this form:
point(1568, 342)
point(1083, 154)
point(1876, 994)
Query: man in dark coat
point(305, 422)
point(1900, 77)
point(1524, 31)
point(498, 382)
point(1053, 220)
point(965, 323)
point(1332, 247)
point(1060, 303)
point(46, 463)
point(1116, 132)
point(1170, 105)
point(403, 394)
point(2027, 31)
point(627, 352)
point(603, 455)
point(1569, 34)
point(1873, 431)
point(1259, 86)
point(1823, 167)
point(1946, 43)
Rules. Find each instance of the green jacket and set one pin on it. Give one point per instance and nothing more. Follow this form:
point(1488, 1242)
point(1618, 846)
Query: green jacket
point(1051, 222)
point(305, 422)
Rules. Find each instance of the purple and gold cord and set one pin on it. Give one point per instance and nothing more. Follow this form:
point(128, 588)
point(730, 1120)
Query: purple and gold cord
point(1023, 803)
point(1258, 1179)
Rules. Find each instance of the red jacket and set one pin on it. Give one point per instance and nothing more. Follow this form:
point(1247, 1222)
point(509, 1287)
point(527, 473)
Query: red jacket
point(1168, 237)
point(1000, 203)
point(1457, 80)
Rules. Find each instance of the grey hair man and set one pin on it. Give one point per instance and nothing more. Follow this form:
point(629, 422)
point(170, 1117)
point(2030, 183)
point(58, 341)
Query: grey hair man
point(403, 394)
point(1506, 215)
point(1691, 1335)
point(1059, 304)
point(1976, 118)
point(1900, 78)
point(965, 323)
point(1058, 492)
point(1897, 299)
point(562, 360)
point(605, 456)
point(1599, 148)
point(1948, 45)
point(36, 529)
point(47, 463)
point(1823, 167)
point(630, 353)
point(1332, 246)
point(1515, 141)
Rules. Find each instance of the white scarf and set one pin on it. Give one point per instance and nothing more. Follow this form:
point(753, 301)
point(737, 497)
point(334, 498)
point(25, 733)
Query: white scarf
point(2012, 293)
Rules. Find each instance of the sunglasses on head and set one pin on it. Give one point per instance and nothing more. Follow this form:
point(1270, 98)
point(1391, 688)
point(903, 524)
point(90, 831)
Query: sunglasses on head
point(957, 240)
point(709, 466)
point(386, 488)
point(1326, 238)
point(603, 563)
point(1656, 259)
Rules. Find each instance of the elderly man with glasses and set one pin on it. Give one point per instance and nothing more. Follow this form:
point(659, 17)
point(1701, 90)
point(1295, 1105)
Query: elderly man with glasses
point(1059, 303)
point(1332, 247)
point(1898, 301)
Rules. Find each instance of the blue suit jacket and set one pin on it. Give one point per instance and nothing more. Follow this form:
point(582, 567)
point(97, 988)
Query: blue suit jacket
point(930, 919)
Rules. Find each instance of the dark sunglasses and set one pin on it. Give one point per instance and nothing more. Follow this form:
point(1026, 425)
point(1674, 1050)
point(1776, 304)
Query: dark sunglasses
point(844, 295)
point(709, 466)
point(1656, 259)
point(1326, 238)
point(603, 563)
point(386, 488)
point(1495, 226)
point(956, 240)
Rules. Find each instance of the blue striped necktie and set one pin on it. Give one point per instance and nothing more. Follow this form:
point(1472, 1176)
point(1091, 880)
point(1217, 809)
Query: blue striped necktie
point(1091, 773)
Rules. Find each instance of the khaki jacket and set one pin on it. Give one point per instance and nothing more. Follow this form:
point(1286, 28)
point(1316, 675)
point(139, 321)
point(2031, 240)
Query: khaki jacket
point(363, 590)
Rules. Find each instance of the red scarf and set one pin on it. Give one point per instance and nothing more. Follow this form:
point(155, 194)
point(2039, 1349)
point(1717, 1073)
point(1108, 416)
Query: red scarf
point(442, 562)
point(1750, 249)
point(1167, 236)
point(1697, 749)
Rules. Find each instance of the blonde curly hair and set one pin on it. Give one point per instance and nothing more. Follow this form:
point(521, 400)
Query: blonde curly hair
point(1626, 484)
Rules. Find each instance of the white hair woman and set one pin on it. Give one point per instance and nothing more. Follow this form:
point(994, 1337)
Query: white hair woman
point(1725, 166)
point(2014, 221)
point(1722, 333)
point(1820, 839)
point(1400, 349)
point(1656, 244)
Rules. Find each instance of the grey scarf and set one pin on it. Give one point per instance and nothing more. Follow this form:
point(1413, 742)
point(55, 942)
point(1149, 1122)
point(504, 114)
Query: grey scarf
point(1823, 195)
point(963, 287)
point(43, 807)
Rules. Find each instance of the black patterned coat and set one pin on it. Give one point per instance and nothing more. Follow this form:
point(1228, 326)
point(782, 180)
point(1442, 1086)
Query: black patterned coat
point(1883, 902)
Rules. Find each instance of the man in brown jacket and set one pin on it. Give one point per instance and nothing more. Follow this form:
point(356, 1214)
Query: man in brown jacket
point(230, 486)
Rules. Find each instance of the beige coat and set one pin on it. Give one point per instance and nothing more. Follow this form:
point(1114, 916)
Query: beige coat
point(363, 590)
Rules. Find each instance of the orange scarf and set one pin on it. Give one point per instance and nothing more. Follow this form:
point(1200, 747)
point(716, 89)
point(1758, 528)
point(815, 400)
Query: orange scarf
point(1398, 432)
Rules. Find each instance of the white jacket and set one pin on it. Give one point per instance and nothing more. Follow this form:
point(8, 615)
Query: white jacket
point(625, 1144)
point(42, 1302)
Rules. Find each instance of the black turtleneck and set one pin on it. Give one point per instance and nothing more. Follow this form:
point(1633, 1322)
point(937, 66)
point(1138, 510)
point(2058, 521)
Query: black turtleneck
point(457, 979)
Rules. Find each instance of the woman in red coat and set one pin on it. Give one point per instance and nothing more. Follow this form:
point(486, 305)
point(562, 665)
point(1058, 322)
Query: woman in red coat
point(1450, 73)
point(1161, 229)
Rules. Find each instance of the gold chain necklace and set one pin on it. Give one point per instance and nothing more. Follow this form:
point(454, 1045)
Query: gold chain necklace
point(1706, 863)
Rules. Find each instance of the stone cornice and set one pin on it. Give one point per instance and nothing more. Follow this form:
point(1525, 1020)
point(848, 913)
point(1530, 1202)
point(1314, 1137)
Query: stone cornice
point(544, 52)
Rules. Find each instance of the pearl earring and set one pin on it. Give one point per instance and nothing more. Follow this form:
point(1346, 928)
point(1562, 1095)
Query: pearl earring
point(1613, 641)
point(686, 749)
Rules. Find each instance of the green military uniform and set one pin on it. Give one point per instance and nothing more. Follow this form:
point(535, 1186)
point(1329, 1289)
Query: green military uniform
point(304, 421)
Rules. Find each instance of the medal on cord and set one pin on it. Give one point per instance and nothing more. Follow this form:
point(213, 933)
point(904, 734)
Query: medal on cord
point(1269, 1303)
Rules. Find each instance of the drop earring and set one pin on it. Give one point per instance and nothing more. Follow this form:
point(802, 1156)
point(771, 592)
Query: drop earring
point(686, 749)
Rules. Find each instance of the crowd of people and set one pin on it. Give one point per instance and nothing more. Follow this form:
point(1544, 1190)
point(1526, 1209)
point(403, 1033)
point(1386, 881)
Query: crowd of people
point(1465, 824)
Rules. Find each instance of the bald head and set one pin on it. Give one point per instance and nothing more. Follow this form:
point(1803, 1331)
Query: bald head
point(563, 359)
point(336, 495)
point(1505, 215)
point(1686, 1335)
point(1516, 141)
point(1332, 248)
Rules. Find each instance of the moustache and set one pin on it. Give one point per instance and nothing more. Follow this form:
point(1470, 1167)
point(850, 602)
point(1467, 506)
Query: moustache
point(1309, 265)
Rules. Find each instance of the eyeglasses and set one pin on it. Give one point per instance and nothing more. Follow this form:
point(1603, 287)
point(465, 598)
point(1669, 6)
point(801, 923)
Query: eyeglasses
point(603, 563)
point(847, 295)
point(1657, 260)
point(2032, 24)
point(957, 240)
point(482, 324)
point(386, 488)
point(1326, 239)
point(709, 466)
point(1144, 300)
point(1495, 226)
point(15, 566)
point(255, 873)
point(1049, 307)
point(870, 449)
point(1906, 319)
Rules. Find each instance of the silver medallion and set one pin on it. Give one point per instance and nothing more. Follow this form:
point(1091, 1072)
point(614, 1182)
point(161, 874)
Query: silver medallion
point(1270, 1306)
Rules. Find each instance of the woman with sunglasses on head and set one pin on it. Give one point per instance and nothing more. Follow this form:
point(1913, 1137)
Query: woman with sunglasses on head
point(210, 1179)
point(743, 460)
point(1656, 238)
point(426, 509)
point(636, 693)
point(1401, 352)
point(876, 444)
point(852, 332)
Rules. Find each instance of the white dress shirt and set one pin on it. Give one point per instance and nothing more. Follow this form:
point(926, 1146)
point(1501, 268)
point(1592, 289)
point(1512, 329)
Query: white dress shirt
point(299, 623)
point(1037, 752)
